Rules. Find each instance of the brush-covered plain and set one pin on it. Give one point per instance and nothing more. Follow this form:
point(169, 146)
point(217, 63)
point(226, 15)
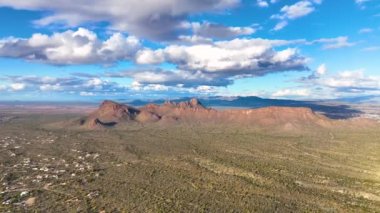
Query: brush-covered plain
point(188, 168)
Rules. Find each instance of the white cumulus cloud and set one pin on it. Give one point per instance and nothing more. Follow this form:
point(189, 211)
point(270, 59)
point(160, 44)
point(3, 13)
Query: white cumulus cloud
point(294, 11)
point(17, 86)
point(254, 57)
point(71, 47)
point(156, 19)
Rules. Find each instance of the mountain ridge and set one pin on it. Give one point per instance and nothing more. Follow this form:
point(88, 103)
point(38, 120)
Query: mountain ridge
point(113, 114)
point(333, 110)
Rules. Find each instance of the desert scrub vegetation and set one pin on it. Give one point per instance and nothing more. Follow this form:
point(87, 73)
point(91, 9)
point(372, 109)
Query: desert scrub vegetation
point(189, 168)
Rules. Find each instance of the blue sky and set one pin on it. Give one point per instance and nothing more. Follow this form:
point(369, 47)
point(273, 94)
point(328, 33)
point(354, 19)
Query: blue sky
point(132, 49)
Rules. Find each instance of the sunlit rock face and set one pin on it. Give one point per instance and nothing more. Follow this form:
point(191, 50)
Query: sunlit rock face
point(111, 114)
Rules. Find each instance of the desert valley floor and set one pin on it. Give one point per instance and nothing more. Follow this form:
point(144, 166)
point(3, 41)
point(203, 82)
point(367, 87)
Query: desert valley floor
point(188, 167)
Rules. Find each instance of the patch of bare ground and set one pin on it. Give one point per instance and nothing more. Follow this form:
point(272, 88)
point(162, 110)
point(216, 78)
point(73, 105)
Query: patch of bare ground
point(228, 170)
point(341, 190)
point(30, 201)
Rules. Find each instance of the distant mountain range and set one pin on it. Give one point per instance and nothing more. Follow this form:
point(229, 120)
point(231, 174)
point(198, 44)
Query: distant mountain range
point(113, 114)
point(369, 99)
point(194, 112)
point(332, 109)
point(336, 109)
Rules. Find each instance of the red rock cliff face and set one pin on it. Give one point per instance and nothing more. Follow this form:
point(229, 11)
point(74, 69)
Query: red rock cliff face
point(188, 111)
point(111, 113)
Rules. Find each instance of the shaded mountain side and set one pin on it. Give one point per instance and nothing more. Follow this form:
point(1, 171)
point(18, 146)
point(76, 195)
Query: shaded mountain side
point(112, 114)
point(333, 111)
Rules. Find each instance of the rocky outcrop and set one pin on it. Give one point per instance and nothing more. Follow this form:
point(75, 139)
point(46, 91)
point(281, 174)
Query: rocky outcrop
point(191, 104)
point(110, 114)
